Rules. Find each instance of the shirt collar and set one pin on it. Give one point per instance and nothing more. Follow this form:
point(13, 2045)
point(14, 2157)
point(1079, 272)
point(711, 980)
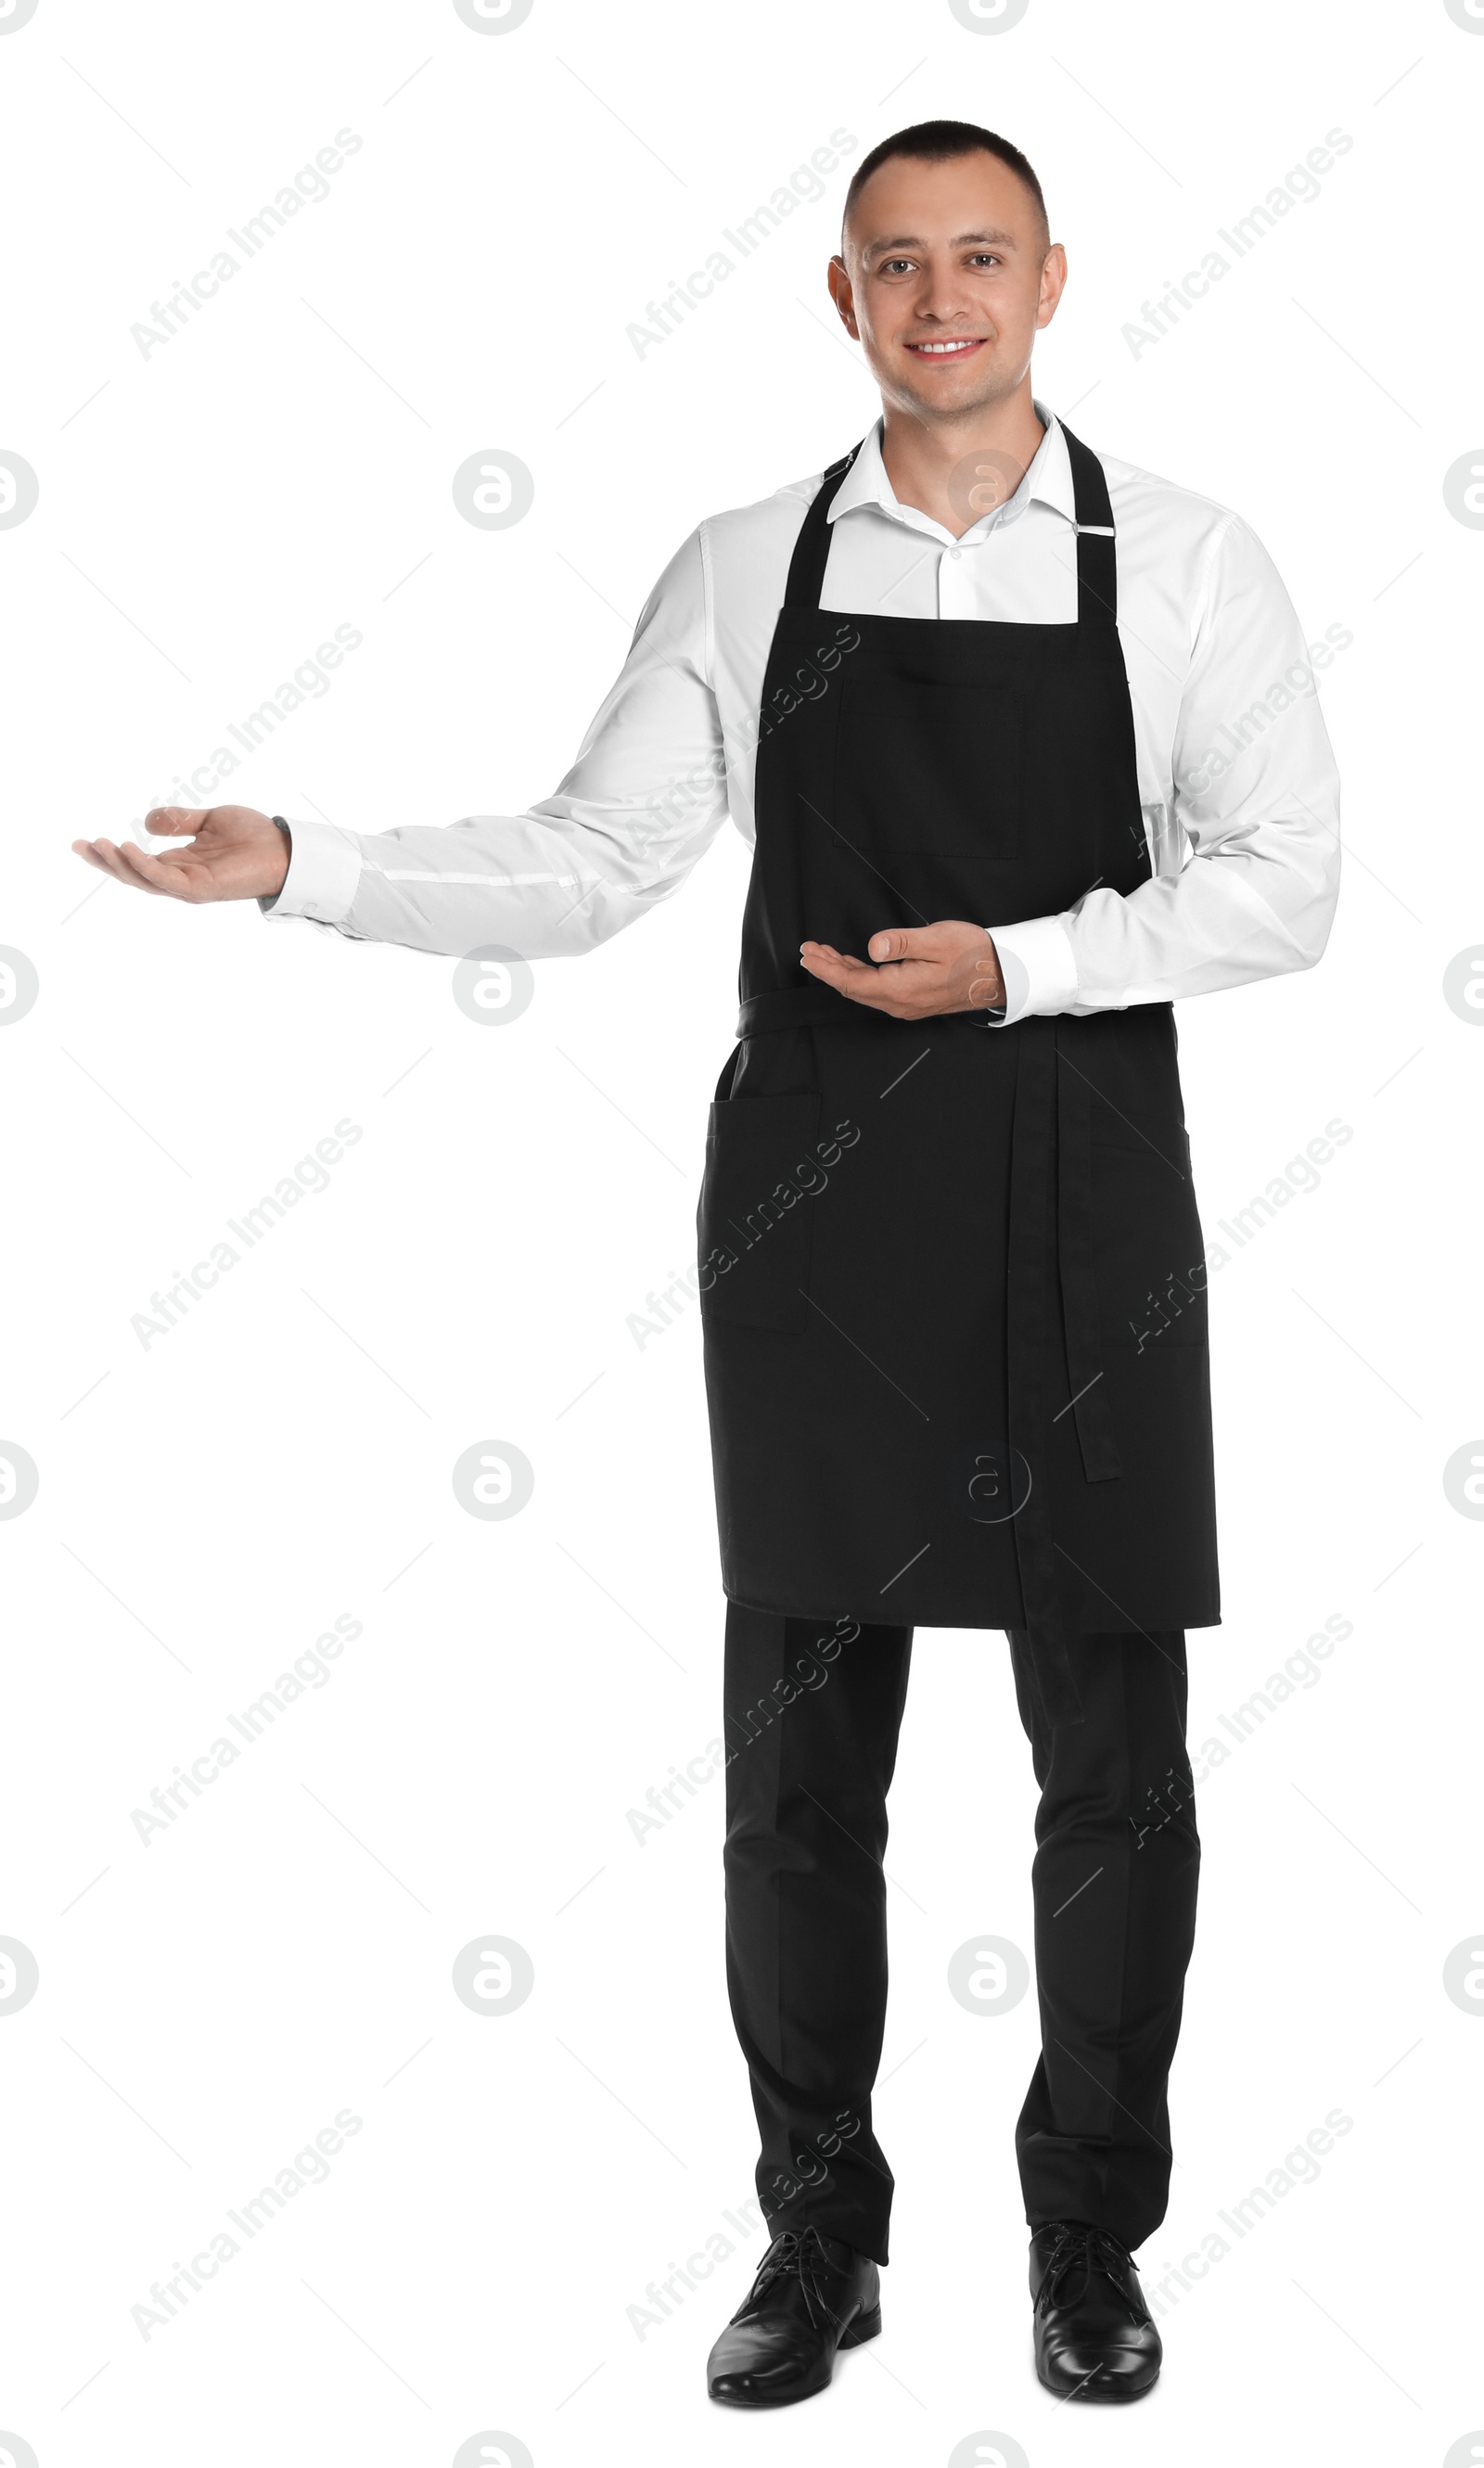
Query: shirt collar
point(1049, 479)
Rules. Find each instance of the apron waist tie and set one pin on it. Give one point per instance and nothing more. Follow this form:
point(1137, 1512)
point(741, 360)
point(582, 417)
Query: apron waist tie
point(1074, 1251)
point(814, 1006)
point(1033, 1228)
point(1051, 1204)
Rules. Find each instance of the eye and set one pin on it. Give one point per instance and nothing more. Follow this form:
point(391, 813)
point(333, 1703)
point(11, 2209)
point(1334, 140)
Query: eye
point(896, 265)
point(986, 256)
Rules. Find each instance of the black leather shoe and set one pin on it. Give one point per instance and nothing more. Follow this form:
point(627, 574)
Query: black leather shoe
point(813, 2295)
point(1095, 2338)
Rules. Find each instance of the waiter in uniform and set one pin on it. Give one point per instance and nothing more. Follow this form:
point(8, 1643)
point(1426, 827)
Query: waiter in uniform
point(1027, 744)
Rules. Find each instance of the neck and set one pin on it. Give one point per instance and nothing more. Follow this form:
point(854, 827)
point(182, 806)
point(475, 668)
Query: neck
point(931, 463)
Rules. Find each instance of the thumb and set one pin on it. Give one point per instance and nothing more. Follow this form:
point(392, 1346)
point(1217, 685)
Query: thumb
point(897, 943)
point(175, 821)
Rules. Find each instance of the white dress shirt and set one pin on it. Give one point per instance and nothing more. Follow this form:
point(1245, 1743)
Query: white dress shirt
point(1236, 780)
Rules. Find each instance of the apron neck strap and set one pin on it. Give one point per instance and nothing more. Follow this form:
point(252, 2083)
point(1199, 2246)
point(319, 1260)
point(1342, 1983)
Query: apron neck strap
point(811, 548)
point(1097, 564)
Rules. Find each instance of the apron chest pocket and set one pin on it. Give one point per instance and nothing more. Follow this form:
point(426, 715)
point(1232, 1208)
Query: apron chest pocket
point(755, 1221)
point(929, 769)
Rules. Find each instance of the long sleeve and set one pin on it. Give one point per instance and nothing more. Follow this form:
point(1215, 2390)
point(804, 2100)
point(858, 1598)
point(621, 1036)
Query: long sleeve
point(643, 799)
point(1244, 844)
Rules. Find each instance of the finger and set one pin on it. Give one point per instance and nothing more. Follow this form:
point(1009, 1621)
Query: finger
point(822, 962)
point(163, 821)
point(131, 864)
point(162, 874)
point(875, 987)
point(110, 859)
point(91, 855)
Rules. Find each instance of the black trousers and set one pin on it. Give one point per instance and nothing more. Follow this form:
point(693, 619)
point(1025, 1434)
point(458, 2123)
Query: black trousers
point(811, 1720)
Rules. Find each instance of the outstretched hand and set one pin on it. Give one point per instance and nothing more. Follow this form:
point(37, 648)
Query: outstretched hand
point(920, 970)
point(234, 854)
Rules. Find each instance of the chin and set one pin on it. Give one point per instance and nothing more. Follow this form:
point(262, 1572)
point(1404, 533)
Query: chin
point(966, 395)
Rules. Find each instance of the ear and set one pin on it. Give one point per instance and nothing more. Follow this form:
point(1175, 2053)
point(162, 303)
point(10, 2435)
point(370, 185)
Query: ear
point(841, 292)
point(1053, 283)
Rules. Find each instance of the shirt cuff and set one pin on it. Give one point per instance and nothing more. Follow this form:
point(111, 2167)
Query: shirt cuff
point(324, 871)
point(1038, 966)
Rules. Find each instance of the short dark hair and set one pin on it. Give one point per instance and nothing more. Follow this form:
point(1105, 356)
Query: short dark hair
point(944, 140)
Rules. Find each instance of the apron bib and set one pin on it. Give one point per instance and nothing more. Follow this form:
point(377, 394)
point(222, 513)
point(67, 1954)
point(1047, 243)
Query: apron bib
point(951, 1283)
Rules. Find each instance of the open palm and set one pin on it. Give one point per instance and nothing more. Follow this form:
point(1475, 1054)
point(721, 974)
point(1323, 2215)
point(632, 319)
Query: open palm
point(915, 971)
point(231, 853)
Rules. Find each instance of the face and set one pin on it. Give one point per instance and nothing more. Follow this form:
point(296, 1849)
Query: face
point(945, 282)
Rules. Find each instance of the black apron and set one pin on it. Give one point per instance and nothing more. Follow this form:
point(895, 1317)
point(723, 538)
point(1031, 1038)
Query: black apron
point(952, 1273)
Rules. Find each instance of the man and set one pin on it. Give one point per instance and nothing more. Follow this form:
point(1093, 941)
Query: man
point(1027, 745)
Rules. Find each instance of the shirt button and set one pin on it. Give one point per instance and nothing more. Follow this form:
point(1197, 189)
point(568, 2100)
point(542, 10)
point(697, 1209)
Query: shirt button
point(955, 552)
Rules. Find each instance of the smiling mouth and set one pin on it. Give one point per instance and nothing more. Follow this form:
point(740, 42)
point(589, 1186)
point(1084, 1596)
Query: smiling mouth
point(957, 350)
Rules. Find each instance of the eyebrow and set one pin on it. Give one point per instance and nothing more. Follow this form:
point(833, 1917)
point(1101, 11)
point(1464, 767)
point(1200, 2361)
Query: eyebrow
point(961, 239)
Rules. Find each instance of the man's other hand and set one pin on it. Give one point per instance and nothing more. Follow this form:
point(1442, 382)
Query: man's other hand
point(233, 854)
point(920, 969)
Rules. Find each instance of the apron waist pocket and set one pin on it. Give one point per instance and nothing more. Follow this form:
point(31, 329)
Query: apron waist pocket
point(755, 1221)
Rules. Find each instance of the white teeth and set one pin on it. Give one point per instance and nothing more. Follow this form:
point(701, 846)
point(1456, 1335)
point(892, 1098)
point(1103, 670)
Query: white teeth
point(942, 348)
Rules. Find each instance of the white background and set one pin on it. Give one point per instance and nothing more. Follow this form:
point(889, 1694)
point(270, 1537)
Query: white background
point(208, 1506)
